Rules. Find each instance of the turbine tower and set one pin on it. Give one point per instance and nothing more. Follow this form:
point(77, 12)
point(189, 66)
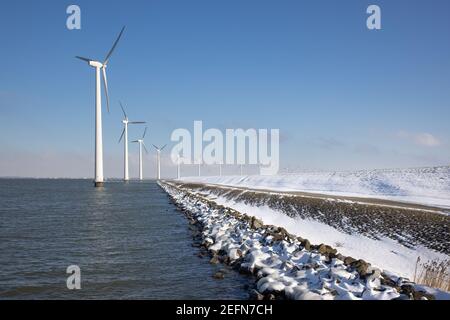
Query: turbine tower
point(141, 145)
point(199, 160)
point(178, 167)
point(99, 179)
point(158, 161)
point(124, 135)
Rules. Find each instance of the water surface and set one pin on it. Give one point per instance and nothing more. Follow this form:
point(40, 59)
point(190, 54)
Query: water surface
point(128, 240)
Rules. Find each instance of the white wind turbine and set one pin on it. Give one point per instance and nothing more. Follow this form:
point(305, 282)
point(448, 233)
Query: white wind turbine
point(99, 179)
point(124, 135)
point(199, 162)
point(178, 167)
point(158, 161)
point(141, 145)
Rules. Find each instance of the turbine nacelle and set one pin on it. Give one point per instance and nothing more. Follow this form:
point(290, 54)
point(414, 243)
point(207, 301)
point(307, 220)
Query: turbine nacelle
point(96, 64)
point(126, 122)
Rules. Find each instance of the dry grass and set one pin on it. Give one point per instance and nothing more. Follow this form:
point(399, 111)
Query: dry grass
point(435, 274)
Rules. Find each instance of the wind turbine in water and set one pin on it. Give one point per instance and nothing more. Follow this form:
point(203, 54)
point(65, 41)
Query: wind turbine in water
point(99, 179)
point(124, 135)
point(199, 167)
point(178, 167)
point(158, 161)
point(141, 145)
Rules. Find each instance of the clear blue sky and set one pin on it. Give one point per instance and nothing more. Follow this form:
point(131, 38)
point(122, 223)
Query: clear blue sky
point(342, 96)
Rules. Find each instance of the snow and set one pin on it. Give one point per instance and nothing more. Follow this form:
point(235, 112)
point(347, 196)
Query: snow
point(284, 266)
point(385, 253)
point(427, 186)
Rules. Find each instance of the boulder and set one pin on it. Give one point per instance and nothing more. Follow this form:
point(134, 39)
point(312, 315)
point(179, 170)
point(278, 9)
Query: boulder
point(327, 251)
point(255, 295)
point(219, 275)
point(214, 260)
point(348, 261)
point(276, 237)
point(420, 295)
point(340, 257)
point(256, 223)
point(306, 244)
point(361, 267)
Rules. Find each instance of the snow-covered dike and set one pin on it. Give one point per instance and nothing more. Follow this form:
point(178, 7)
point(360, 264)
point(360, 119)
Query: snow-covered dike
point(285, 265)
point(428, 186)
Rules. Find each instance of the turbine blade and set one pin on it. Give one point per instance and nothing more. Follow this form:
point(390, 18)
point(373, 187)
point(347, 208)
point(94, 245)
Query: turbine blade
point(137, 122)
point(105, 83)
point(84, 59)
point(121, 136)
point(155, 147)
point(145, 148)
point(145, 132)
point(163, 147)
point(123, 110)
point(135, 141)
point(113, 47)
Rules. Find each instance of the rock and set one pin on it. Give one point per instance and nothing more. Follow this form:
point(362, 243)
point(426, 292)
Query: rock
point(219, 275)
point(283, 232)
point(420, 295)
point(373, 277)
point(270, 296)
point(386, 281)
point(256, 223)
point(340, 257)
point(214, 260)
point(255, 295)
point(412, 293)
point(361, 267)
point(277, 237)
point(327, 251)
point(306, 244)
point(245, 269)
point(207, 242)
point(348, 261)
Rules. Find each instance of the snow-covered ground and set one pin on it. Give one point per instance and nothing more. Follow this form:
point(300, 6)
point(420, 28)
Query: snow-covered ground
point(428, 186)
point(287, 266)
point(385, 253)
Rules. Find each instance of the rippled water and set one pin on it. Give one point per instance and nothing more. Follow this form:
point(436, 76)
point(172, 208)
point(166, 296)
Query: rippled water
point(128, 240)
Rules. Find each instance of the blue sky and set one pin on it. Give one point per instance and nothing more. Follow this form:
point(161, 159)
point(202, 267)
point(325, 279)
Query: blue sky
point(342, 96)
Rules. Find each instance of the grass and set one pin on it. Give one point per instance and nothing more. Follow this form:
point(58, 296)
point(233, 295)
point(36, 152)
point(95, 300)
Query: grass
point(434, 273)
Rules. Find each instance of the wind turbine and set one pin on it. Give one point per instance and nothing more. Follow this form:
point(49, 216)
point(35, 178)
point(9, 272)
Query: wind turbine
point(141, 145)
point(199, 161)
point(158, 161)
point(178, 167)
point(99, 179)
point(124, 135)
point(220, 169)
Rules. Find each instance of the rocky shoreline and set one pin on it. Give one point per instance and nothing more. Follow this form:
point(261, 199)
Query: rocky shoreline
point(284, 266)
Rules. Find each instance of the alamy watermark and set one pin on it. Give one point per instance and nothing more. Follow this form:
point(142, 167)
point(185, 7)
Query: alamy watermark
point(234, 147)
point(74, 280)
point(73, 21)
point(374, 20)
